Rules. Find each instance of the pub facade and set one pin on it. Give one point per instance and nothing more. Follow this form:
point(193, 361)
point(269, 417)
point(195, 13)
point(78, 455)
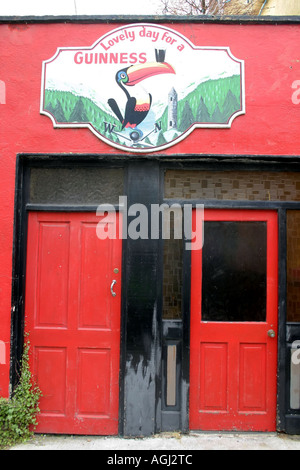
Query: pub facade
point(150, 222)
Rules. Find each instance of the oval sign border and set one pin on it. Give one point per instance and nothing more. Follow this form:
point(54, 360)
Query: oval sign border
point(143, 33)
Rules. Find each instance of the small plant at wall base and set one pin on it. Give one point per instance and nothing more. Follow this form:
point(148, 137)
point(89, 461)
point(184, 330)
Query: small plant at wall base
point(18, 413)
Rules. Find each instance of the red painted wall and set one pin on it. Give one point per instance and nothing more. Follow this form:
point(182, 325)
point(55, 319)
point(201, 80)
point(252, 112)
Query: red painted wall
point(270, 126)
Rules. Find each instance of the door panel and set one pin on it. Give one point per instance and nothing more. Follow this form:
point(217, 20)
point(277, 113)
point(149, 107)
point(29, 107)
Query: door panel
point(213, 376)
point(233, 306)
point(74, 321)
point(52, 256)
point(253, 363)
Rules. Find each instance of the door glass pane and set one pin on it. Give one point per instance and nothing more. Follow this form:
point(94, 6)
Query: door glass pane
point(173, 266)
point(293, 265)
point(234, 271)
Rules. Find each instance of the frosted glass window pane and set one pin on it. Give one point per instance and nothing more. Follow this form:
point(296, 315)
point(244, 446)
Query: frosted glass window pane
point(76, 185)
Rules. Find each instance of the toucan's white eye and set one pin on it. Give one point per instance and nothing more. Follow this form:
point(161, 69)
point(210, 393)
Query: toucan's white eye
point(122, 76)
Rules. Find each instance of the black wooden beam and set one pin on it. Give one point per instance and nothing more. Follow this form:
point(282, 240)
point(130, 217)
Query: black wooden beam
point(109, 19)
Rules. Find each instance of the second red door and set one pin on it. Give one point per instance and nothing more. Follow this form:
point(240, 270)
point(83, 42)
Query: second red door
point(233, 358)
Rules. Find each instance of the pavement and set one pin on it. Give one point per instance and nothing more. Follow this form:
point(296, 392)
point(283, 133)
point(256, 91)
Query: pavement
point(165, 442)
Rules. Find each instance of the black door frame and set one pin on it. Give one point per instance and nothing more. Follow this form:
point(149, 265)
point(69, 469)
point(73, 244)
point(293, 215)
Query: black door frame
point(142, 345)
point(287, 420)
point(24, 163)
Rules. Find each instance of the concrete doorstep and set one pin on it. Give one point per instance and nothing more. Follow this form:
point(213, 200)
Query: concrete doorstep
point(165, 442)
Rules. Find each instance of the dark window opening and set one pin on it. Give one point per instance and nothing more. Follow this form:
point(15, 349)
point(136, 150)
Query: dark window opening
point(234, 272)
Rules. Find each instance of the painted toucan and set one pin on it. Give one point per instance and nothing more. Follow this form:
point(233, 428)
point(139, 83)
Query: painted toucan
point(137, 107)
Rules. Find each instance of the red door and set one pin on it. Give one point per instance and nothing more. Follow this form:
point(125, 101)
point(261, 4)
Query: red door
point(233, 355)
point(73, 319)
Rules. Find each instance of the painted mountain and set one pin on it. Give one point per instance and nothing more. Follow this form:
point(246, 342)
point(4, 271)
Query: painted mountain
point(213, 103)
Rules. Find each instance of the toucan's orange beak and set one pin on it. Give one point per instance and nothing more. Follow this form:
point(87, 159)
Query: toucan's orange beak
point(137, 73)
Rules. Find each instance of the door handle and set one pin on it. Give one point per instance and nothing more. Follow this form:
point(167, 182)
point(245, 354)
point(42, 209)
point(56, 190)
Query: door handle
point(271, 333)
point(112, 288)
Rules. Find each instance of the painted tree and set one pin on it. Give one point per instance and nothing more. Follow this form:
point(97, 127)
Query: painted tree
point(217, 115)
point(161, 139)
point(57, 111)
point(187, 118)
point(230, 106)
point(79, 113)
point(202, 113)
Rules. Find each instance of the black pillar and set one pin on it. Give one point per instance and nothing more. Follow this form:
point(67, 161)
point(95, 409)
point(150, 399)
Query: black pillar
point(141, 335)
